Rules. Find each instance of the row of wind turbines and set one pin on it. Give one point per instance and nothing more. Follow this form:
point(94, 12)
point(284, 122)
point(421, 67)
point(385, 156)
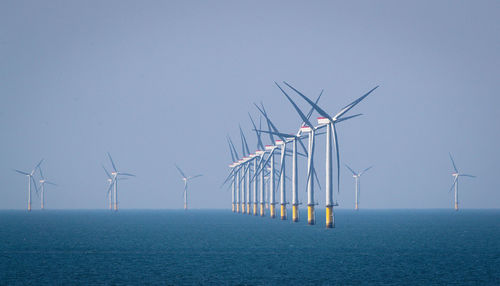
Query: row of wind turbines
point(255, 173)
point(112, 179)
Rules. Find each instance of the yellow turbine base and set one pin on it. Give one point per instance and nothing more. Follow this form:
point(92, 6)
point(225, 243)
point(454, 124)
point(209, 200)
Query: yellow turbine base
point(262, 210)
point(295, 213)
point(456, 206)
point(310, 215)
point(329, 217)
point(243, 208)
point(248, 208)
point(283, 212)
point(272, 212)
point(116, 206)
point(356, 207)
point(232, 208)
point(237, 207)
point(255, 209)
point(29, 207)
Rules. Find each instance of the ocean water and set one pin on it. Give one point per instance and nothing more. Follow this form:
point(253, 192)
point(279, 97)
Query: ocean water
point(218, 247)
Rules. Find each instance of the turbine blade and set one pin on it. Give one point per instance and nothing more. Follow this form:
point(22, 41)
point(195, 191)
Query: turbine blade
point(263, 112)
point(231, 150)
point(21, 172)
point(125, 174)
point(278, 134)
point(180, 171)
point(454, 182)
point(231, 174)
point(234, 148)
point(453, 162)
point(312, 108)
point(270, 125)
point(352, 171)
point(348, 117)
point(244, 145)
point(37, 165)
point(34, 183)
point(365, 170)
point(106, 171)
point(303, 146)
point(354, 103)
point(192, 177)
point(467, 175)
point(112, 163)
point(304, 118)
point(315, 106)
point(257, 132)
point(41, 173)
point(111, 186)
point(316, 176)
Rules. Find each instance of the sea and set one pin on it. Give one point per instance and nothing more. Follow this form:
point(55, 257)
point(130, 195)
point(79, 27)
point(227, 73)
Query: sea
point(218, 247)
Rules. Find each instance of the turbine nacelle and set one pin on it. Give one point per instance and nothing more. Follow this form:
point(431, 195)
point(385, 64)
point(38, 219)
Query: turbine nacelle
point(259, 152)
point(323, 120)
point(269, 147)
point(305, 128)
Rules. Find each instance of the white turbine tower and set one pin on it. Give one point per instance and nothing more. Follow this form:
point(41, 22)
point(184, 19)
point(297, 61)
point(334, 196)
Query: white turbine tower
point(30, 179)
point(43, 181)
point(330, 123)
point(114, 183)
point(356, 177)
point(456, 174)
point(185, 179)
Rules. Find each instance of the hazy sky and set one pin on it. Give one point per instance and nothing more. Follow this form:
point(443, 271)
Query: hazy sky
point(158, 82)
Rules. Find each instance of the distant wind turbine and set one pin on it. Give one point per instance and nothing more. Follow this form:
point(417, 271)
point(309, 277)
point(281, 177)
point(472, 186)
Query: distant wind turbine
point(43, 181)
point(185, 179)
point(110, 186)
point(30, 179)
point(456, 174)
point(356, 179)
point(114, 182)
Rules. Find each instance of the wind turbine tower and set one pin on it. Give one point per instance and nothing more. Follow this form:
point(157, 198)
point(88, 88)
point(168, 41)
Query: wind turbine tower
point(30, 180)
point(43, 181)
point(114, 184)
point(185, 179)
point(356, 177)
point(456, 174)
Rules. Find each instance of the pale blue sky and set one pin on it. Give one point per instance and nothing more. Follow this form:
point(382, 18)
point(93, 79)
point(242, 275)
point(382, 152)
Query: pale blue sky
point(158, 82)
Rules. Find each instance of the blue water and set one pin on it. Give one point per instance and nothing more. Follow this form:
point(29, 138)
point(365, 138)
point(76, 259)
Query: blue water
point(397, 247)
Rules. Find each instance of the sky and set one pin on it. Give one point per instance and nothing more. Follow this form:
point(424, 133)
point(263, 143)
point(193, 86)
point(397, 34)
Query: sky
point(162, 82)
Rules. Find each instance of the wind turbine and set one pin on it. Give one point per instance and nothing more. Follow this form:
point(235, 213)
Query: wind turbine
point(356, 177)
point(456, 174)
point(330, 122)
point(232, 176)
point(30, 179)
point(185, 179)
point(246, 176)
point(114, 183)
point(258, 183)
point(110, 181)
point(43, 181)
